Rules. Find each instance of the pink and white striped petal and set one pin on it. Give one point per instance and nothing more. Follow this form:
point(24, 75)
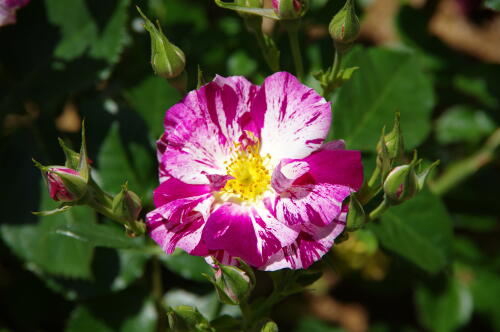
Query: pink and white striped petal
point(179, 223)
point(308, 248)
point(293, 119)
point(201, 130)
point(246, 232)
point(317, 204)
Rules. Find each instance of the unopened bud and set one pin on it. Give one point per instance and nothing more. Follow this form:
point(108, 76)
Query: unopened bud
point(167, 60)
point(393, 141)
point(269, 327)
point(65, 184)
point(184, 318)
point(233, 284)
point(289, 9)
point(344, 27)
point(127, 205)
point(401, 184)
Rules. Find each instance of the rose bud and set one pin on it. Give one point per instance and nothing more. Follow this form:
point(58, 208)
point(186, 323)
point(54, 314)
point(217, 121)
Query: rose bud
point(401, 184)
point(233, 284)
point(167, 60)
point(127, 205)
point(65, 184)
point(288, 9)
point(344, 27)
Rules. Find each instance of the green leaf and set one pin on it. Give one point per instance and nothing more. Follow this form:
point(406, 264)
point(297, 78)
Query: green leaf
point(103, 36)
point(206, 304)
point(150, 99)
point(129, 311)
point(99, 235)
point(387, 81)
point(419, 230)
point(485, 289)
point(476, 87)
point(187, 266)
point(492, 4)
point(264, 12)
point(239, 63)
point(39, 243)
point(463, 124)
point(116, 166)
point(445, 309)
point(310, 324)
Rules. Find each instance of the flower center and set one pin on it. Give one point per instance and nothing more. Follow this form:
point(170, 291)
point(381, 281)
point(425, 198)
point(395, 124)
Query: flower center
point(248, 167)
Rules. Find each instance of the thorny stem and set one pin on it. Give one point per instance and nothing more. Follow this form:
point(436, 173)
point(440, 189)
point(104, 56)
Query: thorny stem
point(462, 169)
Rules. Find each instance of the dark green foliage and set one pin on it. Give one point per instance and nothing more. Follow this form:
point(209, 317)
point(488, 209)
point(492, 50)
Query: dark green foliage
point(78, 271)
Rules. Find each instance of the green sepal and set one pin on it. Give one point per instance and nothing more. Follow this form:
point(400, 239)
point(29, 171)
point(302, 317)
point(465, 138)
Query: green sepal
point(72, 157)
point(287, 10)
point(39, 166)
point(83, 163)
point(384, 161)
point(264, 12)
point(422, 176)
point(60, 209)
point(329, 83)
point(232, 284)
point(75, 184)
point(167, 60)
point(185, 318)
point(269, 326)
point(344, 27)
point(394, 140)
point(271, 52)
point(401, 183)
point(126, 204)
point(356, 217)
point(201, 79)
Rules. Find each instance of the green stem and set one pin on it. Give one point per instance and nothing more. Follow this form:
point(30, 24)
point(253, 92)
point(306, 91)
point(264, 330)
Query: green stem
point(292, 27)
point(102, 202)
point(461, 170)
point(157, 292)
point(333, 71)
point(246, 314)
point(371, 188)
point(378, 211)
point(266, 51)
point(337, 60)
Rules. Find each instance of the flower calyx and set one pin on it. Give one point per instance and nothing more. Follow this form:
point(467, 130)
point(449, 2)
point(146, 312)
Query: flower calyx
point(65, 184)
point(282, 9)
point(344, 27)
point(393, 141)
point(187, 318)
point(167, 60)
point(233, 284)
point(356, 217)
point(404, 182)
point(290, 9)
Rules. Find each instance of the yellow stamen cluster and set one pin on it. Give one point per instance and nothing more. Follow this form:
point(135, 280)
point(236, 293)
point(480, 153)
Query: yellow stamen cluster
point(248, 167)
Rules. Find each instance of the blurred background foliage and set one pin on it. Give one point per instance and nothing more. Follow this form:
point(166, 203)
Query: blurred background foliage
point(431, 264)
